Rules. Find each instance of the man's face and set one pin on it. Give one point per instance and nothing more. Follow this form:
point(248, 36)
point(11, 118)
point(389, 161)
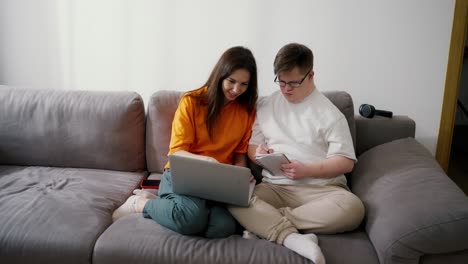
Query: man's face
point(296, 94)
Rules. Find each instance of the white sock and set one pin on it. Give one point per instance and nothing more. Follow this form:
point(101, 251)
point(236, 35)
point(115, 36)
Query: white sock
point(306, 246)
point(129, 207)
point(145, 193)
point(249, 235)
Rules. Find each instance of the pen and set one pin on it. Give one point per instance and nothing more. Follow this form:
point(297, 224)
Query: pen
point(267, 149)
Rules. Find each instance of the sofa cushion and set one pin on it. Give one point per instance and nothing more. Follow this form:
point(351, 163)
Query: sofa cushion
point(350, 248)
point(412, 207)
point(452, 258)
point(134, 239)
point(161, 110)
point(55, 215)
point(81, 129)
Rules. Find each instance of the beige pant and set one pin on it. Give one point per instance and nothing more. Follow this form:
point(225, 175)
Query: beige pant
point(276, 211)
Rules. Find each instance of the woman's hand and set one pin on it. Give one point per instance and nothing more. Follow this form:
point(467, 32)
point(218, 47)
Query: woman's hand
point(194, 156)
point(210, 159)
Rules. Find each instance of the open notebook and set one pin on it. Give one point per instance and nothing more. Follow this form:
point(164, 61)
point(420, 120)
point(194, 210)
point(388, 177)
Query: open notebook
point(211, 180)
point(272, 162)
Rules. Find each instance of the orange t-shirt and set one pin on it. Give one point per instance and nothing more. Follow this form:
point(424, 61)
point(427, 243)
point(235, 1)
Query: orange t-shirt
point(231, 132)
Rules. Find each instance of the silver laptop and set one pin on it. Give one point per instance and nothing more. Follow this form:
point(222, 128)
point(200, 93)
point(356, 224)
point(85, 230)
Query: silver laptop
point(211, 181)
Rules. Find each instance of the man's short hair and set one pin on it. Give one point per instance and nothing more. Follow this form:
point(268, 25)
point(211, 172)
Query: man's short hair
point(293, 55)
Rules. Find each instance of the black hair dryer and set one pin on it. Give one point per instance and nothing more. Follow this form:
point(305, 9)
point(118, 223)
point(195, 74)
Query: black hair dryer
point(369, 111)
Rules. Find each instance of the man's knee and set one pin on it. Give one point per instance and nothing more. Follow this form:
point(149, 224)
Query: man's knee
point(356, 211)
point(352, 212)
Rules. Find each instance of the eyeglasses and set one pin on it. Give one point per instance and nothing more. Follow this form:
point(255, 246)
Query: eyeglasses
point(292, 84)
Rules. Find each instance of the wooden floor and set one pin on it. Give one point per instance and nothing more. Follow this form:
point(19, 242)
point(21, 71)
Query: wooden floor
point(458, 165)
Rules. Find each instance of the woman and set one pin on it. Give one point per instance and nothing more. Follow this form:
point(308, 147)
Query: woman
point(212, 123)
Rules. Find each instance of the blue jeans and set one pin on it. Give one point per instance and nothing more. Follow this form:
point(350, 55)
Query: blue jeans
point(188, 215)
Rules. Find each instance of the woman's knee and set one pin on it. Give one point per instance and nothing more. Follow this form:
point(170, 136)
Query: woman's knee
point(220, 223)
point(189, 218)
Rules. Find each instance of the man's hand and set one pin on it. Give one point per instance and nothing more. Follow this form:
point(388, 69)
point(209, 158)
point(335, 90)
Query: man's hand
point(295, 170)
point(327, 168)
point(263, 149)
point(252, 178)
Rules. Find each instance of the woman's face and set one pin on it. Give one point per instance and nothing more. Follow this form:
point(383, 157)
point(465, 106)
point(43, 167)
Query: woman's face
point(235, 84)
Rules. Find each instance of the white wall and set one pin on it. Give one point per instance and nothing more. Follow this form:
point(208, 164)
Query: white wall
point(389, 53)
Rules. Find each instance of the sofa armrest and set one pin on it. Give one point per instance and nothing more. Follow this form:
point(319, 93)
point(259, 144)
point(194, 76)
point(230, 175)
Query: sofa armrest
point(371, 132)
point(412, 207)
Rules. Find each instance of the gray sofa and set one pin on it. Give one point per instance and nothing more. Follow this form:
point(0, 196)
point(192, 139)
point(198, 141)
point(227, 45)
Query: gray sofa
point(69, 158)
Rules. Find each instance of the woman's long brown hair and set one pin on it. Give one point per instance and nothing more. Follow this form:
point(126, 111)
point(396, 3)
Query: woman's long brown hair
point(232, 59)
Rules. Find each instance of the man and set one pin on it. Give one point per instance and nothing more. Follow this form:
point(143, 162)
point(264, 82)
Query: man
point(311, 195)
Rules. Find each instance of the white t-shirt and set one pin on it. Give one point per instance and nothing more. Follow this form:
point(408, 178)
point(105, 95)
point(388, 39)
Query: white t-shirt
point(309, 131)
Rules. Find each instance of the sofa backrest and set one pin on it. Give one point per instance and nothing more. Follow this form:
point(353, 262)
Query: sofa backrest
point(161, 109)
point(80, 129)
point(343, 101)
